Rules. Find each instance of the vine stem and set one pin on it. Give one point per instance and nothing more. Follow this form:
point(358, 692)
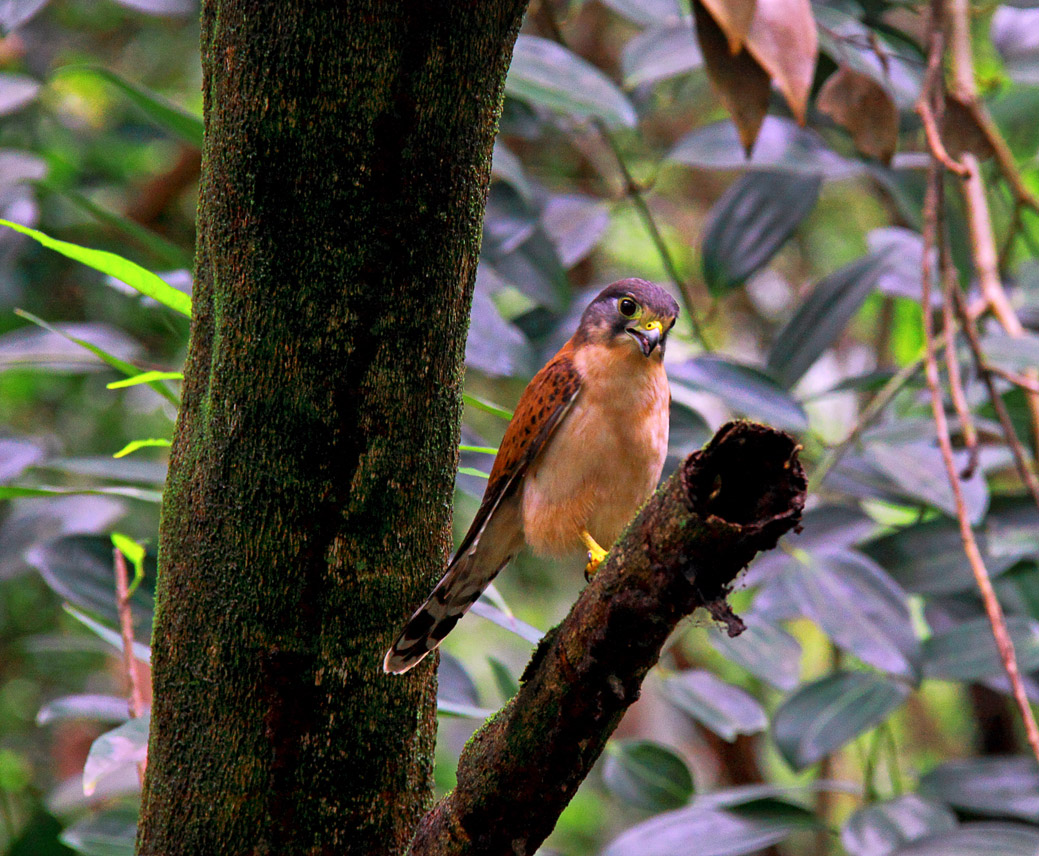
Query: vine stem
point(932, 228)
point(122, 599)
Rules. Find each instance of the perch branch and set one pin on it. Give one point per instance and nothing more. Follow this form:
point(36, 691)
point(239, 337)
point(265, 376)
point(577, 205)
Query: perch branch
point(726, 503)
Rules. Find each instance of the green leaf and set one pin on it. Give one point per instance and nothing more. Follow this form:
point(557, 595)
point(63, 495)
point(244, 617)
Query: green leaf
point(995, 786)
point(781, 145)
point(646, 774)
point(104, 708)
point(114, 750)
point(927, 558)
point(19, 492)
point(978, 839)
point(823, 716)
point(165, 252)
point(726, 710)
point(747, 390)
point(750, 222)
point(968, 651)
point(122, 269)
point(822, 316)
point(119, 365)
point(140, 651)
point(882, 828)
point(859, 607)
point(164, 113)
point(80, 569)
point(660, 53)
point(508, 686)
point(700, 830)
point(546, 74)
point(145, 377)
point(110, 833)
point(486, 406)
point(134, 445)
point(919, 471)
point(763, 649)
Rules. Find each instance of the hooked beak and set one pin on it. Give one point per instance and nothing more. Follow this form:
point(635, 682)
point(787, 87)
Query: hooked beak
point(648, 335)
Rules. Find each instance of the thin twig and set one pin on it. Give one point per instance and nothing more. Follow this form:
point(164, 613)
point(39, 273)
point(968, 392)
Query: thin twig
point(122, 600)
point(986, 372)
point(932, 227)
point(952, 369)
point(1014, 378)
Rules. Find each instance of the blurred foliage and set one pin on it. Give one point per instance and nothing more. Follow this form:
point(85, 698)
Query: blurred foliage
point(864, 710)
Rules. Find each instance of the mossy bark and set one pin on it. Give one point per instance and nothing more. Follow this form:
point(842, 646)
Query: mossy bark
point(727, 502)
point(307, 509)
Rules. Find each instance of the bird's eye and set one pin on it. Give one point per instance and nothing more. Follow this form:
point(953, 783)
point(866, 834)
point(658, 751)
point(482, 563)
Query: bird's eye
point(627, 307)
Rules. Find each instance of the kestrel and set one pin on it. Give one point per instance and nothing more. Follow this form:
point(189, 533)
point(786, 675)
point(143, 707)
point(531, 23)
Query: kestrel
point(583, 451)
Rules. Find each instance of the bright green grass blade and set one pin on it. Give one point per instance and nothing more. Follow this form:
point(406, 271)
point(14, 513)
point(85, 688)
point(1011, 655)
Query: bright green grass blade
point(485, 406)
point(134, 445)
point(144, 377)
point(135, 276)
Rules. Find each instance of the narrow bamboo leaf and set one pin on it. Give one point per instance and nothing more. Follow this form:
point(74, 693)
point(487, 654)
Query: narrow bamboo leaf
point(822, 317)
point(104, 708)
point(164, 113)
point(122, 746)
point(968, 652)
point(19, 492)
point(726, 710)
point(750, 222)
point(882, 828)
point(456, 693)
point(119, 365)
point(823, 716)
point(472, 471)
point(546, 74)
point(509, 622)
point(463, 711)
point(485, 450)
point(486, 406)
point(109, 833)
point(141, 652)
point(765, 650)
point(995, 786)
point(977, 839)
point(145, 377)
point(136, 554)
point(647, 774)
point(124, 270)
point(134, 445)
point(747, 390)
point(165, 252)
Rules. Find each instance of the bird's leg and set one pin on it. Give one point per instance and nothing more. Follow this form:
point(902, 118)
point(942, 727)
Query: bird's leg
point(595, 554)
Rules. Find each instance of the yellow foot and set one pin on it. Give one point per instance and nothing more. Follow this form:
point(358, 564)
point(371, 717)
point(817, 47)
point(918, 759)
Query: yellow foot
point(595, 555)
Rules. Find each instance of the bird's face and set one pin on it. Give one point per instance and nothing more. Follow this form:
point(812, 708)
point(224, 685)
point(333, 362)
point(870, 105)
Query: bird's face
point(631, 314)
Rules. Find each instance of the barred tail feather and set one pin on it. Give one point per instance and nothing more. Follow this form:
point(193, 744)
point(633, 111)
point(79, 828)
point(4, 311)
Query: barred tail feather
point(458, 590)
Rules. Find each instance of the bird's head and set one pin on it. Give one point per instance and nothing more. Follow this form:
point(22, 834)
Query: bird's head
point(631, 313)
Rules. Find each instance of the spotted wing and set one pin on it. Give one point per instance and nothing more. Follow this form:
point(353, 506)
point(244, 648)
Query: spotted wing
point(496, 531)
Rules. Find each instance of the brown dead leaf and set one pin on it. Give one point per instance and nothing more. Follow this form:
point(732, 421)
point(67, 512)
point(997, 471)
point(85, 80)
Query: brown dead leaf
point(961, 131)
point(782, 38)
point(741, 83)
point(734, 17)
point(861, 106)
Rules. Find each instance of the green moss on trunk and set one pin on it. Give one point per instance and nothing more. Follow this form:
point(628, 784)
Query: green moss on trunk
point(308, 504)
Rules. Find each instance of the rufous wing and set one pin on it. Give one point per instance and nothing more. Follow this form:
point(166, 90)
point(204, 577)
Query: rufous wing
point(496, 530)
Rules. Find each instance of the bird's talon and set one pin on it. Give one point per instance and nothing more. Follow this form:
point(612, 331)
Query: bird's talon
point(595, 556)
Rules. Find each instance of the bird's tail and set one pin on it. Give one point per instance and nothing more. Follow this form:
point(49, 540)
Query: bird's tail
point(458, 590)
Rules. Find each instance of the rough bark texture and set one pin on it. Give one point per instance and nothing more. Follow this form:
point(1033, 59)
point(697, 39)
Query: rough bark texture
point(344, 176)
point(727, 502)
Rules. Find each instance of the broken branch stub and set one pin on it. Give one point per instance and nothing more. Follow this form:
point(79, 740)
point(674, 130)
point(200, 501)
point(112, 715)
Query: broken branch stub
point(727, 502)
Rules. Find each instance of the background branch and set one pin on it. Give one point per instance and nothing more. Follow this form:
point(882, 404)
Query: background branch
point(727, 502)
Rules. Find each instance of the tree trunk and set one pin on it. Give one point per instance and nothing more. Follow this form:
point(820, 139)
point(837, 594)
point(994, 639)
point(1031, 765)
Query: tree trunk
point(308, 504)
